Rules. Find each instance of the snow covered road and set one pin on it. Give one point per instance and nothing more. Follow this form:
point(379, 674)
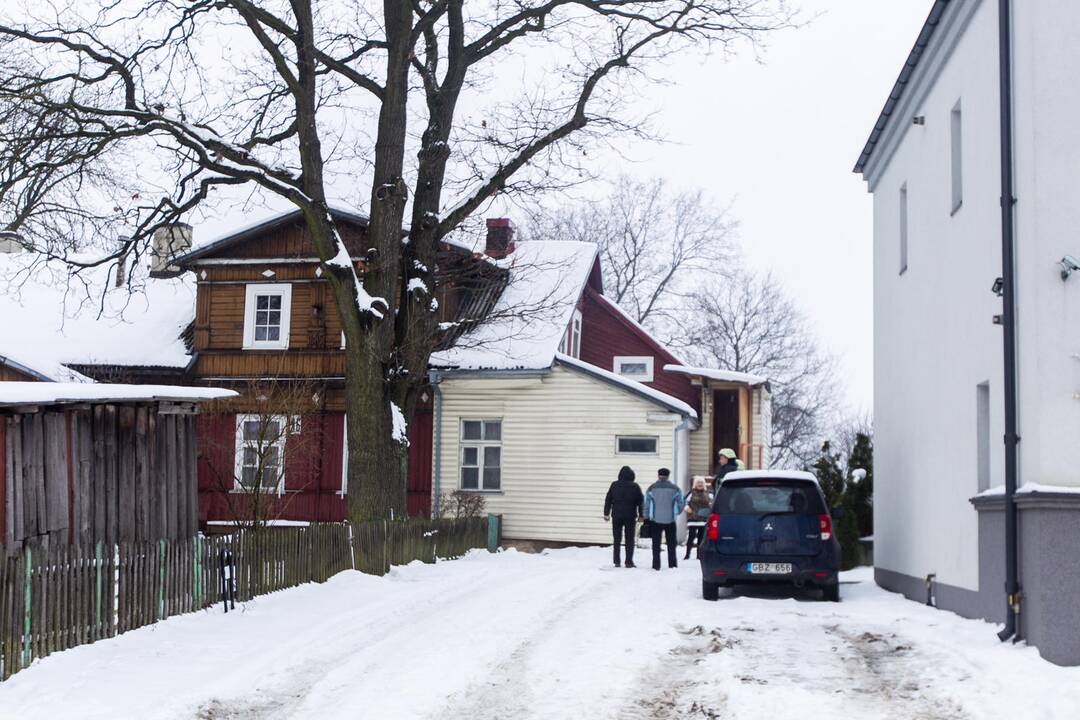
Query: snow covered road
point(548, 636)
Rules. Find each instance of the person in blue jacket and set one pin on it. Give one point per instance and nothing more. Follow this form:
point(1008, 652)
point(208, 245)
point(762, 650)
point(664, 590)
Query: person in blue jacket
point(663, 503)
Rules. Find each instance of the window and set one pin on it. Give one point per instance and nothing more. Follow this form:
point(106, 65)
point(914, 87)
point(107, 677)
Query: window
point(982, 431)
point(481, 455)
point(260, 453)
point(631, 445)
point(571, 342)
point(266, 316)
point(638, 368)
point(903, 228)
point(956, 150)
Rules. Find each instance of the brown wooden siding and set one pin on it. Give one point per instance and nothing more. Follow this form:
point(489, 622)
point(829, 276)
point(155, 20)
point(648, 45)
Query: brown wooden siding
point(112, 473)
point(10, 374)
point(292, 241)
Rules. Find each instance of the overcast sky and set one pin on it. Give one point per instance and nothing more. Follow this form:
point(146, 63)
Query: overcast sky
point(780, 137)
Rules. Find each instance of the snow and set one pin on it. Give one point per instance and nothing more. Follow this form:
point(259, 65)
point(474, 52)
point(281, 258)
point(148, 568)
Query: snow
point(1031, 488)
point(547, 278)
point(773, 474)
point(34, 393)
point(400, 432)
point(632, 385)
point(717, 374)
point(50, 321)
point(416, 285)
point(364, 301)
point(555, 635)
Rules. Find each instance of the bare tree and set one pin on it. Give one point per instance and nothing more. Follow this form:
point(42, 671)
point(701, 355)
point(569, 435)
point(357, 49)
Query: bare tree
point(136, 112)
point(747, 324)
point(656, 245)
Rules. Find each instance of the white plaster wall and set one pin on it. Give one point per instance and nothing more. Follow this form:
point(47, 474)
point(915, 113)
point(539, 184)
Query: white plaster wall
point(934, 340)
point(1047, 152)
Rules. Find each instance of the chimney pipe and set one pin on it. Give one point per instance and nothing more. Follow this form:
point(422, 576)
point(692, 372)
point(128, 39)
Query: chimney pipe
point(10, 242)
point(500, 238)
point(169, 242)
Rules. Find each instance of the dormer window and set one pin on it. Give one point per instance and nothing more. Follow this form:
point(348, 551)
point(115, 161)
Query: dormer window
point(634, 367)
point(266, 316)
point(571, 342)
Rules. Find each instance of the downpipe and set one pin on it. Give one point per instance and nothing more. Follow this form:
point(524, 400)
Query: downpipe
point(1008, 321)
point(436, 426)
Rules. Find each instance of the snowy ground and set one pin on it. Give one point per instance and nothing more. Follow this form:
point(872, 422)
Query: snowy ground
point(558, 635)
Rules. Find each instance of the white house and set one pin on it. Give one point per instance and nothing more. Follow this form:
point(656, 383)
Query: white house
point(934, 163)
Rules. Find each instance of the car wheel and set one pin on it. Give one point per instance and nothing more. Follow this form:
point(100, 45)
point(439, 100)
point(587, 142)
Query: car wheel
point(710, 591)
point(831, 592)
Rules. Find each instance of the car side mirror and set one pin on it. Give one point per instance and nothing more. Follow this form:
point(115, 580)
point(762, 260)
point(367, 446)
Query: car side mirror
point(838, 513)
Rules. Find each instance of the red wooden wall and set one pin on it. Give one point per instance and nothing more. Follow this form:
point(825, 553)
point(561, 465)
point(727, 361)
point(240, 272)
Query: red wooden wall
point(605, 333)
point(418, 496)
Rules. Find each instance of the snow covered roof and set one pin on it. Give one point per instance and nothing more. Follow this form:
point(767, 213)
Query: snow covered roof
point(53, 319)
point(527, 322)
point(716, 374)
point(770, 475)
point(249, 230)
point(663, 399)
point(59, 393)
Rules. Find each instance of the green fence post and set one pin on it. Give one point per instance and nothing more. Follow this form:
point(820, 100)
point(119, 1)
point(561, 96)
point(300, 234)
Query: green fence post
point(97, 591)
point(161, 579)
point(493, 532)
point(27, 597)
point(197, 570)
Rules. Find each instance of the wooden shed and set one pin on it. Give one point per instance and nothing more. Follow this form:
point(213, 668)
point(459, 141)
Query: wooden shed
point(89, 462)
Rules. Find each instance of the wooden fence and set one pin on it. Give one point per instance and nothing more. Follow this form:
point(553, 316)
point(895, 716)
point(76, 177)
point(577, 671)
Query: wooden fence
point(60, 597)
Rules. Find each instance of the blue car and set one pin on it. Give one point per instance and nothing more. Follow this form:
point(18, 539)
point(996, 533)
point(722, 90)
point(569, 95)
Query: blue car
point(770, 527)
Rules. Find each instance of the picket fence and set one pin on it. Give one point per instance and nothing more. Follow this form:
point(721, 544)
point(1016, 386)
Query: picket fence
point(60, 597)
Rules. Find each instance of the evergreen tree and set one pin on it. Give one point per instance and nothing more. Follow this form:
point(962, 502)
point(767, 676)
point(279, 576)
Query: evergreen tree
point(847, 532)
point(862, 457)
point(829, 475)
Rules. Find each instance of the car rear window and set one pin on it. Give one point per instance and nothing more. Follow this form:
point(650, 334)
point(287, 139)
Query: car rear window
point(756, 497)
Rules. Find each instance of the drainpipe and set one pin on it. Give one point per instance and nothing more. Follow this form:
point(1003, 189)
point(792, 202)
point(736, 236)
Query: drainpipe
point(676, 466)
point(436, 425)
point(1008, 320)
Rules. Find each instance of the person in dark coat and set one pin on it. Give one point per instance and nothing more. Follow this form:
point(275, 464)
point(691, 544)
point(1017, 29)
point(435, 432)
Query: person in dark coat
point(726, 462)
point(623, 507)
point(663, 503)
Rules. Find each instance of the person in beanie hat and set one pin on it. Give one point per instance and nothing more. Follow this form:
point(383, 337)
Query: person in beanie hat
point(663, 503)
point(698, 507)
point(726, 462)
point(623, 507)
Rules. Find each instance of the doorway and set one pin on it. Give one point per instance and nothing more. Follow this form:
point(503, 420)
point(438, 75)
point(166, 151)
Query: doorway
point(725, 426)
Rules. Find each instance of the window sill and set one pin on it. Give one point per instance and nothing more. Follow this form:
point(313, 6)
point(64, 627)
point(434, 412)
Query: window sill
point(265, 347)
point(481, 492)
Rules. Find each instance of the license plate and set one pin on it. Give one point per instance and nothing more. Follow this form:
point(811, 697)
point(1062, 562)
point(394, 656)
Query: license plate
point(768, 568)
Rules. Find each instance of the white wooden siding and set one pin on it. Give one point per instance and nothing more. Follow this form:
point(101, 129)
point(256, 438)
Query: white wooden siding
point(558, 449)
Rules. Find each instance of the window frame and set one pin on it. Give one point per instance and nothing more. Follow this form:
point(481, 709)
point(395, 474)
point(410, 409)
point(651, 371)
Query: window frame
point(648, 360)
point(654, 438)
point(571, 339)
point(251, 294)
point(280, 442)
point(480, 446)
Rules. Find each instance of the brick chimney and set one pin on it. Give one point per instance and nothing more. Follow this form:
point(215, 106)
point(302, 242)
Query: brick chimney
point(500, 238)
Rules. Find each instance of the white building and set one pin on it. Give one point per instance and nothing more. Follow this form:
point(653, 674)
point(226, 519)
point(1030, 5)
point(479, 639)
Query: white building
point(934, 164)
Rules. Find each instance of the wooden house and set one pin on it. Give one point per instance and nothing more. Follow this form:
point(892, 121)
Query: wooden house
point(88, 462)
point(535, 405)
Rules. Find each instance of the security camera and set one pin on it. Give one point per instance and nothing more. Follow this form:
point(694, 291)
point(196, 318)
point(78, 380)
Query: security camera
point(1069, 265)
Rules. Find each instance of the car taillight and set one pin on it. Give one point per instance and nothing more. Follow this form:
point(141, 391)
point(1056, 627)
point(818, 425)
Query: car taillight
point(713, 528)
point(825, 525)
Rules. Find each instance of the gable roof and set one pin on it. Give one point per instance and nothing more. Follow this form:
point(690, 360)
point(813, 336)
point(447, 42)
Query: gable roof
point(662, 399)
point(906, 72)
point(527, 322)
point(633, 326)
point(53, 319)
point(253, 230)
